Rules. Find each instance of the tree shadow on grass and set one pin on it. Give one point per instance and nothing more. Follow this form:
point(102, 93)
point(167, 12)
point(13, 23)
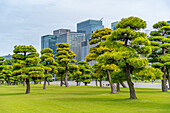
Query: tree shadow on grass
point(10, 94)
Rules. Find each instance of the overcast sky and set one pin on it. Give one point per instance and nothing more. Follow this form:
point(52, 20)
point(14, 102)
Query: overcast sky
point(23, 22)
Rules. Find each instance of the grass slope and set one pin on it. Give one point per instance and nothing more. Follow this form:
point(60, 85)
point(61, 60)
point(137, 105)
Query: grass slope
point(74, 99)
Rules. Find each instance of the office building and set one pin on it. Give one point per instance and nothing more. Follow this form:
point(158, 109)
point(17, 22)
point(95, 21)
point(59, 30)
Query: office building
point(74, 39)
point(113, 25)
point(49, 41)
point(168, 22)
point(88, 27)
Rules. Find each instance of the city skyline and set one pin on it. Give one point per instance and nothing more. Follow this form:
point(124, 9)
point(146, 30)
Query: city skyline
point(24, 22)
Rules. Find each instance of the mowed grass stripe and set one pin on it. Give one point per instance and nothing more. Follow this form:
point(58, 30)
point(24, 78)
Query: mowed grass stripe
point(81, 99)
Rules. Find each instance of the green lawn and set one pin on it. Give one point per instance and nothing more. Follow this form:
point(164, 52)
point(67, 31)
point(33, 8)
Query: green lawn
point(81, 99)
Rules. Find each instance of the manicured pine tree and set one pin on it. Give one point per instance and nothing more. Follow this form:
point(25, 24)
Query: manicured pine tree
point(99, 73)
point(64, 57)
point(107, 65)
point(50, 66)
point(119, 77)
point(25, 64)
point(86, 71)
point(2, 63)
point(60, 74)
point(75, 73)
point(129, 44)
point(160, 57)
point(98, 36)
point(7, 72)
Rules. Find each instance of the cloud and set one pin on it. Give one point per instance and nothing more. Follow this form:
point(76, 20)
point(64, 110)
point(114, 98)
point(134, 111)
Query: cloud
point(25, 21)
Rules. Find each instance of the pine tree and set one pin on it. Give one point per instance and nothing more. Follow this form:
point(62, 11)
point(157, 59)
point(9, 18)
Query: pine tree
point(25, 64)
point(7, 72)
point(64, 57)
point(86, 72)
point(127, 45)
point(160, 57)
point(50, 66)
point(2, 63)
point(99, 73)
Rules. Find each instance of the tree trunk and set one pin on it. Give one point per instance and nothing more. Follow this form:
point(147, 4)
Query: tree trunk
point(100, 81)
point(85, 83)
point(130, 83)
point(66, 74)
point(113, 87)
point(8, 82)
point(40, 82)
point(61, 81)
point(48, 82)
point(0, 83)
point(3, 82)
point(118, 87)
point(24, 82)
point(28, 86)
point(168, 76)
point(123, 85)
point(77, 83)
point(45, 80)
point(164, 89)
point(34, 83)
point(96, 82)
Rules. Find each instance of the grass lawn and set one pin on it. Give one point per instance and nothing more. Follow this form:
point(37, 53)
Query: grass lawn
point(81, 99)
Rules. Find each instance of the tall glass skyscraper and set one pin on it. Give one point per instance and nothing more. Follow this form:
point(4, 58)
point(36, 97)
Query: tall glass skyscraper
point(88, 27)
point(49, 41)
point(113, 25)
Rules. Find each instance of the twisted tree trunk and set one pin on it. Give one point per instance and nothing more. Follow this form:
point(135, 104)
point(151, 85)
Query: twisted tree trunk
point(28, 86)
point(130, 83)
point(113, 87)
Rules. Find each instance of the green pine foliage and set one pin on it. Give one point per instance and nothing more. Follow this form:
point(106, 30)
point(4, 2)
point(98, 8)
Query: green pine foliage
point(161, 50)
point(64, 58)
point(50, 66)
point(26, 65)
point(133, 45)
point(86, 72)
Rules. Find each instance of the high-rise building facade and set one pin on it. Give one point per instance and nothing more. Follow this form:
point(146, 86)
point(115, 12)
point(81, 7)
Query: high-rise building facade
point(88, 27)
point(113, 25)
point(74, 39)
point(49, 41)
point(168, 22)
